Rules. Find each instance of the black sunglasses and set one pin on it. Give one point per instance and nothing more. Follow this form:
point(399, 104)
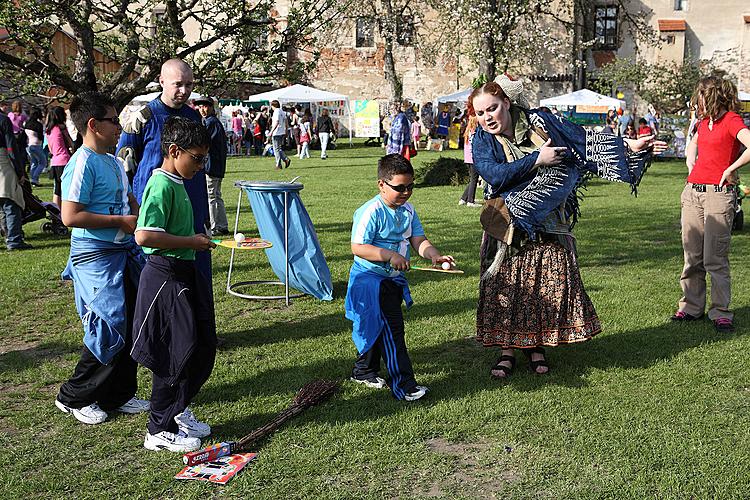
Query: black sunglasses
point(200, 159)
point(401, 188)
point(113, 120)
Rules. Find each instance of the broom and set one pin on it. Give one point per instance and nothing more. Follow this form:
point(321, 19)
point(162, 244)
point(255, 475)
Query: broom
point(310, 394)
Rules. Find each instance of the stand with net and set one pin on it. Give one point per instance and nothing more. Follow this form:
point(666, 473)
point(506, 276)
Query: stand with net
point(265, 188)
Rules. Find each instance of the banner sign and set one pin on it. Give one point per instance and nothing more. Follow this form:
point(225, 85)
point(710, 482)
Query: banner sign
point(366, 118)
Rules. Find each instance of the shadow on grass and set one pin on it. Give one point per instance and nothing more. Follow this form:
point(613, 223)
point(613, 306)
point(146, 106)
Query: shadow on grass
point(459, 368)
point(32, 356)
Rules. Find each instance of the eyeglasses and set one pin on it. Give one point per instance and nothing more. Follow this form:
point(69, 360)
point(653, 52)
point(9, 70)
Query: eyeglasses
point(401, 188)
point(199, 159)
point(114, 120)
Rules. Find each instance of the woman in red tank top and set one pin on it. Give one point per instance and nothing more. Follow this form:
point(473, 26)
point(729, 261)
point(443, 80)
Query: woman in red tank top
point(709, 202)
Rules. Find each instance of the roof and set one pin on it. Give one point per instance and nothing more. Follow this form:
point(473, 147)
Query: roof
point(298, 93)
point(583, 97)
point(672, 25)
point(461, 96)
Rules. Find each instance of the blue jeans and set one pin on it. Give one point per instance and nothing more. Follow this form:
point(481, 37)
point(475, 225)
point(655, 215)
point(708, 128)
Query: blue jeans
point(278, 151)
point(38, 161)
point(13, 236)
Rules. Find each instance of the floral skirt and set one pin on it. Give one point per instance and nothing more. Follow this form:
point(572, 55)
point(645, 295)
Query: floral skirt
point(535, 299)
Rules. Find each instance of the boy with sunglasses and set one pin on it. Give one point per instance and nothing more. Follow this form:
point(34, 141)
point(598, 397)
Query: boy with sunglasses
point(383, 229)
point(174, 326)
point(104, 265)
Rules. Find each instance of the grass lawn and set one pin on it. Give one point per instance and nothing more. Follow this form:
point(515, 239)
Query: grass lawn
point(646, 409)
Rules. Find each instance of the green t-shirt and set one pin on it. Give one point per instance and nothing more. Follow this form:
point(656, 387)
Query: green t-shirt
point(166, 208)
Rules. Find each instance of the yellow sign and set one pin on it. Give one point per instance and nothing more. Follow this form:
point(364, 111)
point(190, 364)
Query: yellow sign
point(588, 108)
point(366, 119)
point(744, 106)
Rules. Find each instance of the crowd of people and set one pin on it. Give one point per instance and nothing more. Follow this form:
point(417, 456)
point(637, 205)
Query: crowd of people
point(293, 127)
point(143, 219)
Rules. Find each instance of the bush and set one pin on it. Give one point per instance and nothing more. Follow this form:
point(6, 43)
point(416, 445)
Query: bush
point(442, 172)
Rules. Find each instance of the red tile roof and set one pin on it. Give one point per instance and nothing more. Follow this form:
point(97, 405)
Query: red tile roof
point(672, 25)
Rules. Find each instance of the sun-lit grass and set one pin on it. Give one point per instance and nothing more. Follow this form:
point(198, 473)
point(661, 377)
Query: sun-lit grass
point(647, 408)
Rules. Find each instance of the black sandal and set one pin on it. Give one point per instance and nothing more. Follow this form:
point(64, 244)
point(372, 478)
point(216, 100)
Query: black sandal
point(507, 370)
point(539, 363)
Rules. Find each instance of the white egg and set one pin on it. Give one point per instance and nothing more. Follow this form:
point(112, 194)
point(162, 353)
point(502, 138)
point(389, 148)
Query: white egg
point(239, 237)
point(446, 265)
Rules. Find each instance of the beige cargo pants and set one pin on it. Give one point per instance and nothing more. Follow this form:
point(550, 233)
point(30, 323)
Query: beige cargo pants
point(707, 216)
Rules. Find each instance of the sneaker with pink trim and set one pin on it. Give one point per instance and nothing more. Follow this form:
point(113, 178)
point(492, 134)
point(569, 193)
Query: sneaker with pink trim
point(683, 316)
point(723, 325)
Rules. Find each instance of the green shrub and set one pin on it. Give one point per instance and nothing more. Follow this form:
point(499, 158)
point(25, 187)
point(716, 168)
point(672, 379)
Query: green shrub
point(442, 172)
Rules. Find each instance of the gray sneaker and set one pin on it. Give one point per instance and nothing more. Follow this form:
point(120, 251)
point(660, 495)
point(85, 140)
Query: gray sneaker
point(90, 414)
point(190, 426)
point(418, 393)
point(135, 405)
point(166, 440)
point(373, 383)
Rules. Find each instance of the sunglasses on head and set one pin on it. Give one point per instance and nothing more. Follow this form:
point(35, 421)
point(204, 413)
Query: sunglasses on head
point(401, 188)
point(200, 159)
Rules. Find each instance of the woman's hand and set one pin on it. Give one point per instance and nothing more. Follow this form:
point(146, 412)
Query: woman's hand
point(645, 143)
point(728, 177)
point(550, 155)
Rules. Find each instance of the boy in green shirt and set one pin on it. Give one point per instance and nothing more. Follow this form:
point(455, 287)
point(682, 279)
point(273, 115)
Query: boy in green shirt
point(174, 325)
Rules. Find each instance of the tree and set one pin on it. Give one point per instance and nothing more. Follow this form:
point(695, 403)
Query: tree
point(668, 86)
point(235, 40)
point(497, 35)
point(397, 23)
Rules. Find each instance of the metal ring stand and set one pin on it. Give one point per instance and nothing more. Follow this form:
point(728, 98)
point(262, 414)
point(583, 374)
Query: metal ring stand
point(231, 287)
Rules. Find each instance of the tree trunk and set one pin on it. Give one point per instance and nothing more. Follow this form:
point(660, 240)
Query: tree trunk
point(389, 69)
point(488, 63)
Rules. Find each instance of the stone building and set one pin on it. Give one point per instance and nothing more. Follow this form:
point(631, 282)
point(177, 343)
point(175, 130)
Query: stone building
point(717, 31)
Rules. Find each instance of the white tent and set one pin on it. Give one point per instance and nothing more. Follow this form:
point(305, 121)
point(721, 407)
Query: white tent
point(302, 93)
point(462, 96)
point(743, 96)
point(583, 97)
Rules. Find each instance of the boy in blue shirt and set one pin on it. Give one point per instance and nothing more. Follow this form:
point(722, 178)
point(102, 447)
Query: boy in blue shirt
point(174, 316)
point(104, 265)
point(382, 231)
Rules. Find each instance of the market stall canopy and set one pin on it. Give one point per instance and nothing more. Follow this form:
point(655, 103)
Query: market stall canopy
point(461, 97)
point(584, 98)
point(298, 93)
point(743, 96)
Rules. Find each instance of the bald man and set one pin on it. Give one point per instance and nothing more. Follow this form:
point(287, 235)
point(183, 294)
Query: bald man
point(140, 144)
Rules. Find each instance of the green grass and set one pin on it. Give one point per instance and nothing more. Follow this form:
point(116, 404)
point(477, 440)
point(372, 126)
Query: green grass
point(646, 409)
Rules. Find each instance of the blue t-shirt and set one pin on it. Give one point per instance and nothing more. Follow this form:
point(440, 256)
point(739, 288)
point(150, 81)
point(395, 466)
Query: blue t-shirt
point(99, 182)
point(375, 223)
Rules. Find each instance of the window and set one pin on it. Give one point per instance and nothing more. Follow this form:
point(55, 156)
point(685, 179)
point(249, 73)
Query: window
point(365, 32)
point(405, 32)
point(606, 27)
point(670, 39)
point(680, 4)
point(158, 15)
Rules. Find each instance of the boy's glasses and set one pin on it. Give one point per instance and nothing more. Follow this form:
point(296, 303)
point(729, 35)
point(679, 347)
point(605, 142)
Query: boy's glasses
point(401, 188)
point(199, 159)
point(114, 120)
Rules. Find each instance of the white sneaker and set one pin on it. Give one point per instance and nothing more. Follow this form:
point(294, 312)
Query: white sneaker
point(166, 440)
point(135, 405)
point(473, 205)
point(372, 383)
point(418, 393)
point(90, 414)
point(462, 202)
point(190, 426)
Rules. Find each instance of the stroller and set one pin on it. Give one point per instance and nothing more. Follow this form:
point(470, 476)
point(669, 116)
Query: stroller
point(37, 209)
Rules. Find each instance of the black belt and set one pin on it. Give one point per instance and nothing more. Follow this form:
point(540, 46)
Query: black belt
point(701, 188)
